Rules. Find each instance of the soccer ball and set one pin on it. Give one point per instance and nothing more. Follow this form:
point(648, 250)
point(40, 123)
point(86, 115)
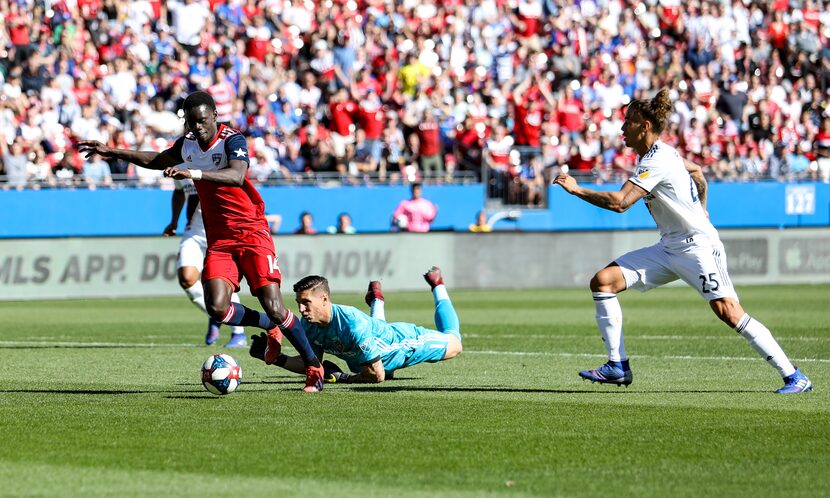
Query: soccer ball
point(401, 222)
point(221, 374)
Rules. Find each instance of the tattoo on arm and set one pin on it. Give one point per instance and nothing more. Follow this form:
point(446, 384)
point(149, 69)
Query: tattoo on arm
point(618, 201)
point(700, 183)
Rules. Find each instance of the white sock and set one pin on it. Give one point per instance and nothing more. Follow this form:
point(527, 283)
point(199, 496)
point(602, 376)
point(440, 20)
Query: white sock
point(440, 292)
point(764, 343)
point(197, 295)
point(610, 323)
point(236, 329)
point(377, 309)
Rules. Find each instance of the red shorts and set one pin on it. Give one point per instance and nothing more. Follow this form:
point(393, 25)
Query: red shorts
point(252, 256)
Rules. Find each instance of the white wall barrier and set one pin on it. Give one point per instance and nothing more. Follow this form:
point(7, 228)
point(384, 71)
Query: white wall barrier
point(146, 266)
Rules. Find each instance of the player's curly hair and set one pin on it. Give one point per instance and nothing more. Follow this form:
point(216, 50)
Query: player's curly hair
point(656, 110)
point(312, 282)
point(198, 98)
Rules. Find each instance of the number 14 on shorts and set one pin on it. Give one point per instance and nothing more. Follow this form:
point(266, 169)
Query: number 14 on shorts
point(273, 264)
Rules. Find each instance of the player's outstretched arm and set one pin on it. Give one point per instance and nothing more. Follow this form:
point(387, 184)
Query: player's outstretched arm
point(618, 201)
point(372, 373)
point(176, 205)
point(291, 363)
point(144, 158)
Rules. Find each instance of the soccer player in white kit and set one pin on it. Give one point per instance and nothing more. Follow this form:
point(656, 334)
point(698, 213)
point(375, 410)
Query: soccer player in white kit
point(674, 191)
point(192, 249)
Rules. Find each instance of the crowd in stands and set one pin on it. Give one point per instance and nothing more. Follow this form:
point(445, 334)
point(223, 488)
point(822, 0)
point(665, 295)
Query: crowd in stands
point(502, 91)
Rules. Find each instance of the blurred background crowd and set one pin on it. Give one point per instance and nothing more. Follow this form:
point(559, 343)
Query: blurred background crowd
point(505, 92)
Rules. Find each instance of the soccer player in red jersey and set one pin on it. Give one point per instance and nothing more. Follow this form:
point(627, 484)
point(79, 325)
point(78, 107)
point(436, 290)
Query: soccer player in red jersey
point(239, 241)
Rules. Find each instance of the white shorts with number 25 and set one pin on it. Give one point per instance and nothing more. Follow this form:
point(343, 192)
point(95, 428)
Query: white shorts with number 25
point(701, 265)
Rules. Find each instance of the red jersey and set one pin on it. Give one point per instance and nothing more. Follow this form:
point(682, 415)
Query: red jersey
point(230, 213)
point(528, 126)
point(372, 120)
point(570, 114)
point(341, 117)
point(18, 27)
point(430, 138)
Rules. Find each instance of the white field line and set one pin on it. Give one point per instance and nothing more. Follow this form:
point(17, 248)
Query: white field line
point(78, 344)
point(68, 344)
point(556, 337)
point(661, 357)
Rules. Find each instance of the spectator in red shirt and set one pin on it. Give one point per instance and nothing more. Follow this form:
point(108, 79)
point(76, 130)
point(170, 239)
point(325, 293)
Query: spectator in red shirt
point(372, 118)
point(571, 112)
point(528, 108)
point(429, 149)
point(341, 122)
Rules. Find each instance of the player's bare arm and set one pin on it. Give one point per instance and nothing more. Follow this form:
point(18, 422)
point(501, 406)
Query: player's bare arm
point(233, 174)
point(370, 374)
point(176, 205)
point(696, 172)
point(294, 364)
point(618, 201)
point(144, 158)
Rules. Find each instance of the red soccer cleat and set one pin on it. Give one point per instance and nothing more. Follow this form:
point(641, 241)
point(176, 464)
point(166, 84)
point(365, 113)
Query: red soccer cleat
point(313, 379)
point(433, 277)
point(374, 292)
point(273, 347)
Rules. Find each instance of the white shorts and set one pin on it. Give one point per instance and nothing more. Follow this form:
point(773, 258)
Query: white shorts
point(339, 143)
point(703, 267)
point(192, 250)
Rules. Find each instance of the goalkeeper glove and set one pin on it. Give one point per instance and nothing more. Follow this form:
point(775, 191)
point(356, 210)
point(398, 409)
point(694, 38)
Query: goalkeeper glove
point(330, 371)
point(258, 343)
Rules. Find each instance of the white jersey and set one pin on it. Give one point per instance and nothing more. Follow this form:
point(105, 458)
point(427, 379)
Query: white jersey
point(193, 209)
point(672, 198)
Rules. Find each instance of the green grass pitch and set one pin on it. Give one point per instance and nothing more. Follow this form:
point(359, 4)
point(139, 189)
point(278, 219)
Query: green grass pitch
point(103, 398)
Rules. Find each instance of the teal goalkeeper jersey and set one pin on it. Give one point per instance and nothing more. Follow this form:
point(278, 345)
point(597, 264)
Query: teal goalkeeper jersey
point(359, 339)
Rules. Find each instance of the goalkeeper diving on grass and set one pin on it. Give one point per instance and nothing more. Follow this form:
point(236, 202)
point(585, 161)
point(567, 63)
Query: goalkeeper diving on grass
point(372, 348)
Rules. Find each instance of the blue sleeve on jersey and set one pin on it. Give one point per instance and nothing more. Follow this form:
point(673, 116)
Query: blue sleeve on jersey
point(236, 148)
point(176, 150)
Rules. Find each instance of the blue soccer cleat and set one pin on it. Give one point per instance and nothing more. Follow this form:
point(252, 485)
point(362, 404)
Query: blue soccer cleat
point(237, 341)
point(212, 334)
point(796, 383)
point(611, 373)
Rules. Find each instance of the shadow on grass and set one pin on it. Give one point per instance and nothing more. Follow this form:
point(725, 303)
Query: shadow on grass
point(73, 391)
point(102, 392)
point(91, 346)
point(194, 396)
point(547, 391)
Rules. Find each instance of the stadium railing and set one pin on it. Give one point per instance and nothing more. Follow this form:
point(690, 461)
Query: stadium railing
point(327, 179)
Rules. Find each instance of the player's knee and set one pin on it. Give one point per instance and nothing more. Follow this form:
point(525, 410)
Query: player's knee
point(273, 306)
point(188, 276)
point(217, 310)
point(275, 311)
point(454, 349)
point(609, 279)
